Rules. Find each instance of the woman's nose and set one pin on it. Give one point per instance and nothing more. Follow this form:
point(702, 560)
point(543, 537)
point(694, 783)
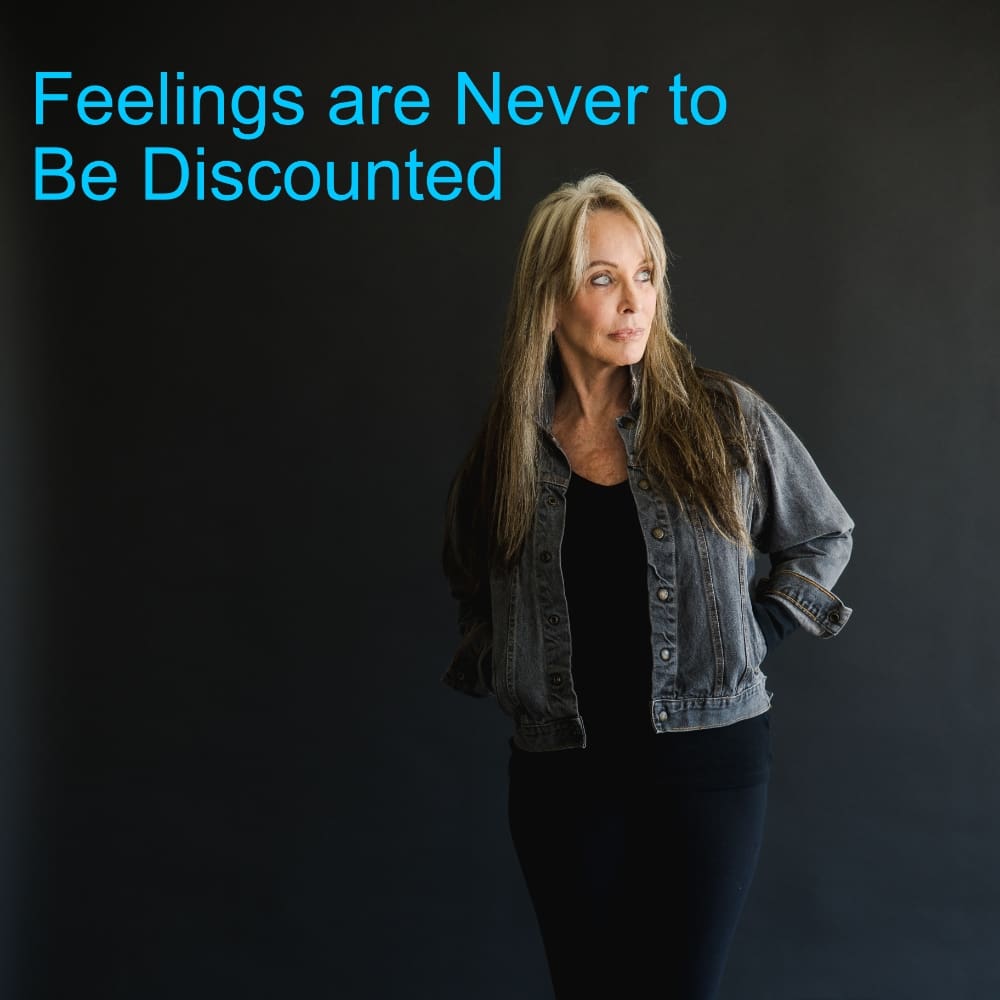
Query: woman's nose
point(629, 297)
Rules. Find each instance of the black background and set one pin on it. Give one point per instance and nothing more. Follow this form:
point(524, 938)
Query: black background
point(227, 431)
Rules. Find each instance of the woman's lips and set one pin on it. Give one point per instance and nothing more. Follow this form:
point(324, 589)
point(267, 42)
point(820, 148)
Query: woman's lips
point(627, 333)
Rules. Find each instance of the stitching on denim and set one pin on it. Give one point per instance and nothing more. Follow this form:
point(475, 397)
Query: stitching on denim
point(712, 604)
point(791, 572)
point(509, 678)
point(525, 724)
point(792, 600)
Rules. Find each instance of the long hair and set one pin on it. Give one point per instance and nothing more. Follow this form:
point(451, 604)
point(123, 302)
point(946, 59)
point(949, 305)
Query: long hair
point(691, 431)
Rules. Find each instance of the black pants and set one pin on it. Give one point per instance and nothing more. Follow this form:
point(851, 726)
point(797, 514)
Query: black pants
point(638, 864)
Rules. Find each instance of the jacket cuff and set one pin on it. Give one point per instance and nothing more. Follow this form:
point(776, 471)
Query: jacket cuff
point(817, 610)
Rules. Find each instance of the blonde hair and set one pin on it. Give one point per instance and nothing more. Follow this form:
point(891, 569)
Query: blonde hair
point(691, 433)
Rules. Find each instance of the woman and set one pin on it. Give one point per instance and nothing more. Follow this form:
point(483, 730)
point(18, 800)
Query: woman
point(600, 542)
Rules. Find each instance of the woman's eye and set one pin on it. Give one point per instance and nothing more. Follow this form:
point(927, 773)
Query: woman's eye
point(645, 274)
point(601, 279)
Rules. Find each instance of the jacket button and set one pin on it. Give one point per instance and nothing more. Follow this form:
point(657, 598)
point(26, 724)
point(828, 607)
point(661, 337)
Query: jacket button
point(658, 532)
point(553, 619)
point(643, 484)
point(459, 675)
point(546, 557)
point(552, 501)
point(664, 654)
point(834, 616)
point(663, 594)
point(662, 716)
point(556, 680)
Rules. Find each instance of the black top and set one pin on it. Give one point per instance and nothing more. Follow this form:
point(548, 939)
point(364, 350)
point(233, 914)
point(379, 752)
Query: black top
point(605, 576)
point(604, 572)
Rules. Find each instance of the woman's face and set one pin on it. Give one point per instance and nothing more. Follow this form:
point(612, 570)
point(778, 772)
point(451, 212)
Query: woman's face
point(607, 321)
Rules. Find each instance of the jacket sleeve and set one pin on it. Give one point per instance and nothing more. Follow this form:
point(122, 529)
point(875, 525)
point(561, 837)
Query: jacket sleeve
point(464, 564)
point(799, 522)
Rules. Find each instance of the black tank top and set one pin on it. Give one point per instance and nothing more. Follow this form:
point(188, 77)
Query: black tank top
point(604, 571)
point(605, 575)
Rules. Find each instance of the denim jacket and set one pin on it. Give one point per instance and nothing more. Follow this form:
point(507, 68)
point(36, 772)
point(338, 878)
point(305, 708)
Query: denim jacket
point(706, 645)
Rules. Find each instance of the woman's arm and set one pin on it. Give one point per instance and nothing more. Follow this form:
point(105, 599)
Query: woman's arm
point(775, 620)
point(799, 522)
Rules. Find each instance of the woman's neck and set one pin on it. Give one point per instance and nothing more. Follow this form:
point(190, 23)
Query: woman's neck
point(593, 397)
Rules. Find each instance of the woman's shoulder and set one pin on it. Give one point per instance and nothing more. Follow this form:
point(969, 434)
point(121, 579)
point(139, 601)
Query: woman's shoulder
point(726, 389)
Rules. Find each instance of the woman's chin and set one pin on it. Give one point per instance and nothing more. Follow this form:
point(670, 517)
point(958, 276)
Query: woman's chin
point(632, 353)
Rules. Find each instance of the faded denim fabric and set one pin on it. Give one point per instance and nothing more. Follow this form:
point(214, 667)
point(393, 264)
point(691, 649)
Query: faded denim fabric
point(707, 647)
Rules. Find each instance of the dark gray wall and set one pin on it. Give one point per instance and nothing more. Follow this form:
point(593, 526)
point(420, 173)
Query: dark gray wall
point(229, 767)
